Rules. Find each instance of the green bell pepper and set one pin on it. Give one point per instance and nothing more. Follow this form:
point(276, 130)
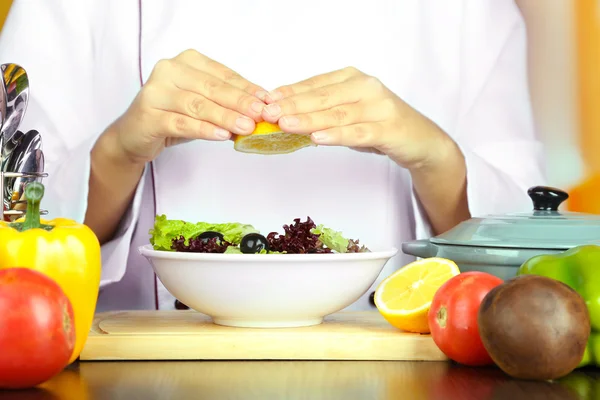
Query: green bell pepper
point(592, 351)
point(581, 385)
point(579, 268)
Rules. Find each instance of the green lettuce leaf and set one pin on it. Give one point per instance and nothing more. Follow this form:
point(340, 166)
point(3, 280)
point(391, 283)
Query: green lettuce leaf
point(165, 230)
point(331, 238)
point(232, 250)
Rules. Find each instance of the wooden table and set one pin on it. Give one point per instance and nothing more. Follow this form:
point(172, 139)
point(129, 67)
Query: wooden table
point(282, 380)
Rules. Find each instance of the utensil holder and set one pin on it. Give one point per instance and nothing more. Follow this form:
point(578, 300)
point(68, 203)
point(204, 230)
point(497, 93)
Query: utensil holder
point(12, 213)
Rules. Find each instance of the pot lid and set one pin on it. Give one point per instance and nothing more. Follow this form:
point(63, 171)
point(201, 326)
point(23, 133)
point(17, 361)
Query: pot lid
point(543, 228)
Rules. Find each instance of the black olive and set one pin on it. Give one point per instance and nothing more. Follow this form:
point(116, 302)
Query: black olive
point(253, 243)
point(205, 236)
point(180, 306)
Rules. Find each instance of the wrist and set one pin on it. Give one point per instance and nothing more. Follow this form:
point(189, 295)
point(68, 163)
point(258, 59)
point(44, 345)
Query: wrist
point(421, 146)
point(109, 151)
point(441, 153)
point(112, 184)
point(440, 185)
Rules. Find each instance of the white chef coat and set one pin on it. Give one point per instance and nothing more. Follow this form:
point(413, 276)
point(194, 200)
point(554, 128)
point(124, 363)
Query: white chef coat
point(461, 63)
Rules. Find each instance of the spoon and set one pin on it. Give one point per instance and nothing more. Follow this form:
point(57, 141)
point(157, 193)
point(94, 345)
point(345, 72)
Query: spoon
point(29, 143)
point(31, 165)
point(8, 147)
point(30, 169)
point(20, 143)
point(3, 102)
point(16, 91)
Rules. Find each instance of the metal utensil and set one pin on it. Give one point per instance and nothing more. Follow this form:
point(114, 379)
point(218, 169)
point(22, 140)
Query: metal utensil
point(21, 156)
point(16, 88)
point(32, 163)
point(3, 101)
point(25, 164)
point(8, 147)
point(21, 143)
point(29, 142)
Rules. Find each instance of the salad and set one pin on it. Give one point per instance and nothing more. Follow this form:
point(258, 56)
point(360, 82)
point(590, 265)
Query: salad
point(237, 238)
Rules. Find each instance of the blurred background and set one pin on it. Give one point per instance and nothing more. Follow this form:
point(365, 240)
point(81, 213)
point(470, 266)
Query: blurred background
point(564, 75)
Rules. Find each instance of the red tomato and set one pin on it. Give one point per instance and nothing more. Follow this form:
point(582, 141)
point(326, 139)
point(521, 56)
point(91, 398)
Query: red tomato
point(37, 334)
point(453, 317)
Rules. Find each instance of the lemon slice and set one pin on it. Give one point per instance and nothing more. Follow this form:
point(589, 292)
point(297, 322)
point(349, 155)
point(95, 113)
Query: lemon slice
point(404, 297)
point(268, 138)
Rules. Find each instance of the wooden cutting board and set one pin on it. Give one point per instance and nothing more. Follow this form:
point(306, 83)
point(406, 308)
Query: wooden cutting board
point(188, 335)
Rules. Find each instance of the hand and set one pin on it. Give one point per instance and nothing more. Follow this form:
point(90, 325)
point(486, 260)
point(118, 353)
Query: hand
point(187, 97)
point(348, 108)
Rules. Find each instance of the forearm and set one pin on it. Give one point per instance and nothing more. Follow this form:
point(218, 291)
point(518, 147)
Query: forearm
point(112, 185)
point(441, 188)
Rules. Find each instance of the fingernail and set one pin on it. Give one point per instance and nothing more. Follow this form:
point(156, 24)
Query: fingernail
point(261, 94)
point(275, 96)
point(257, 107)
point(273, 110)
point(222, 133)
point(245, 124)
point(290, 121)
point(319, 136)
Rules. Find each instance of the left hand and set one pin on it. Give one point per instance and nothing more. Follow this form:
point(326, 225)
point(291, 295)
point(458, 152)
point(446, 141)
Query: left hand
point(349, 108)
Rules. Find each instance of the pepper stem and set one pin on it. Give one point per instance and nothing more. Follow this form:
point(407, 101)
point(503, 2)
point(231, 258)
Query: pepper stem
point(34, 192)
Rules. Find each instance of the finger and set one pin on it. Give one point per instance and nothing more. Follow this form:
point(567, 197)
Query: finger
point(318, 99)
point(203, 63)
point(220, 92)
point(199, 107)
point(313, 83)
point(372, 134)
point(178, 126)
point(347, 114)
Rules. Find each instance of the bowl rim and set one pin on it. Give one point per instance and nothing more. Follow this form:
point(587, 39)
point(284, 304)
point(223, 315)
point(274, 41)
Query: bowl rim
point(147, 251)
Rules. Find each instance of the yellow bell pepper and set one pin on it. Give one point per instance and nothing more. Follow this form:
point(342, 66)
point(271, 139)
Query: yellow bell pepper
point(66, 251)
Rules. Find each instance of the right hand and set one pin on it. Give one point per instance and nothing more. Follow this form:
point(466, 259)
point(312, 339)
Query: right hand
point(187, 97)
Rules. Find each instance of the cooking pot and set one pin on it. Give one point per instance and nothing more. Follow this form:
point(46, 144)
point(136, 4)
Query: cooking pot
point(500, 244)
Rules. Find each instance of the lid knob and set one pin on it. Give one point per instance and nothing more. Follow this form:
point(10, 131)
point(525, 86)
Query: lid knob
point(546, 198)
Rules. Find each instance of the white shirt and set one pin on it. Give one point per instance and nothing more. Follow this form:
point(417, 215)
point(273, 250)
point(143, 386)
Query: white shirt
point(460, 63)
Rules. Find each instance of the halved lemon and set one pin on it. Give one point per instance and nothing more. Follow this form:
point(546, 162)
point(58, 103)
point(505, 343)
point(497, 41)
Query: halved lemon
point(268, 138)
point(404, 297)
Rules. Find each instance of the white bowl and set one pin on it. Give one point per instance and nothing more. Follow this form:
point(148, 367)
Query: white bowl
point(267, 290)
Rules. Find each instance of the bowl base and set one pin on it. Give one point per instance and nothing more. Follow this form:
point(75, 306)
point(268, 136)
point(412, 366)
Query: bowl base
point(243, 323)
